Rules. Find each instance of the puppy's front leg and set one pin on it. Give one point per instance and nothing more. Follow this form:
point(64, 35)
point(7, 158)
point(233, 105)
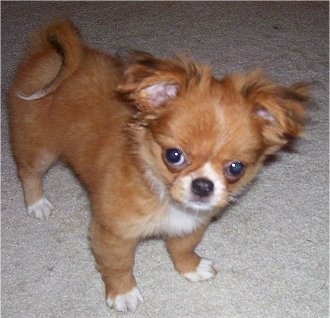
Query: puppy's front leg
point(186, 261)
point(115, 259)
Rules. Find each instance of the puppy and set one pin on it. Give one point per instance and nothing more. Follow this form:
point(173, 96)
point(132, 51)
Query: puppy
point(161, 145)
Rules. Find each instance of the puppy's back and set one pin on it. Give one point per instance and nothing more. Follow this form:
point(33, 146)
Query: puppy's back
point(63, 101)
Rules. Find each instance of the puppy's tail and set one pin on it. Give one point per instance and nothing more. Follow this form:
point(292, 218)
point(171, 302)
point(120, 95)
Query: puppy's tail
point(59, 44)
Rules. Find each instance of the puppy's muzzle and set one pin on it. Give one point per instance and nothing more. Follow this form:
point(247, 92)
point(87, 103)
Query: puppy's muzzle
point(202, 187)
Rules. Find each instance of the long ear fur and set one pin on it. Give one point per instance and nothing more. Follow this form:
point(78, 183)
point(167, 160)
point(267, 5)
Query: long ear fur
point(280, 110)
point(147, 81)
point(151, 82)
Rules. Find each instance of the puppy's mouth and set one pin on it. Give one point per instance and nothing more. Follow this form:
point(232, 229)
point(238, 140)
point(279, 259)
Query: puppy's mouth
point(202, 205)
point(201, 191)
point(202, 195)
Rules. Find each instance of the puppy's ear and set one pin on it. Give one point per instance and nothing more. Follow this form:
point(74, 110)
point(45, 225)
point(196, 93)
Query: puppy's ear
point(279, 110)
point(148, 81)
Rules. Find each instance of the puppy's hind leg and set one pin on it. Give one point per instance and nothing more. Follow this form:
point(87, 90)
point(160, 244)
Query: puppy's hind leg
point(31, 173)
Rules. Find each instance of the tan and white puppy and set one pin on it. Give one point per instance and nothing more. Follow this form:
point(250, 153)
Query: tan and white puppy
point(161, 145)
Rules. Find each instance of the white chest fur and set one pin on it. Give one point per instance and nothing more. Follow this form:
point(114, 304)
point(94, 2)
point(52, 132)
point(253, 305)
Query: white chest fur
point(170, 220)
point(180, 222)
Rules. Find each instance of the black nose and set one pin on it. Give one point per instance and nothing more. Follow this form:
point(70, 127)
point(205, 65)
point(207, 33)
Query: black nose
point(202, 187)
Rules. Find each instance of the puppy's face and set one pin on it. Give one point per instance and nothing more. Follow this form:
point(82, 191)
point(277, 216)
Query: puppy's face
point(199, 139)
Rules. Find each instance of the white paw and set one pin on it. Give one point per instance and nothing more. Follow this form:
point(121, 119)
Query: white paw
point(126, 302)
point(41, 209)
point(204, 271)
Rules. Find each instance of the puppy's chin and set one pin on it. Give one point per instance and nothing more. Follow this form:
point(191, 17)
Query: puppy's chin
point(207, 206)
point(199, 206)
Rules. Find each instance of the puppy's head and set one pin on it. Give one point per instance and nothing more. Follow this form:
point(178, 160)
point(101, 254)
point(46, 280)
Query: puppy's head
point(198, 139)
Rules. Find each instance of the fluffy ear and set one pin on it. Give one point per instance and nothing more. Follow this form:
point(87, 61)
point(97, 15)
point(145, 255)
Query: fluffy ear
point(279, 109)
point(147, 81)
point(128, 57)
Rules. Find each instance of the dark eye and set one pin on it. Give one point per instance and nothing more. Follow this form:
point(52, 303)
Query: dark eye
point(234, 170)
point(175, 157)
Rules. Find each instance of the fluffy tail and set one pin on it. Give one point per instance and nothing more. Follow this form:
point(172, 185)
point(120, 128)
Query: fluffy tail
point(60, 37)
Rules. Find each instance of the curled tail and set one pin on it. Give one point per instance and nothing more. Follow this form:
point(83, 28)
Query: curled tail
point(60, 37)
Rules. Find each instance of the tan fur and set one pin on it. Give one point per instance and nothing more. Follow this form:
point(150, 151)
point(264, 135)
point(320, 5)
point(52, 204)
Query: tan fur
point(112, 119)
